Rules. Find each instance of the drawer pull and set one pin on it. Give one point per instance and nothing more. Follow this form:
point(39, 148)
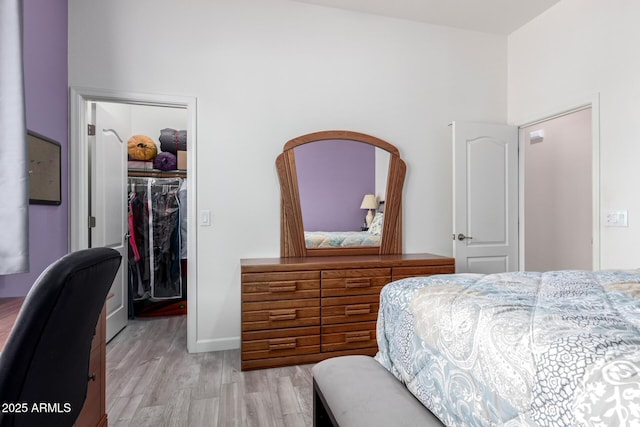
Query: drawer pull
point(283, 287)
point(289, 314)
point(358, 283)
point(358, 336)
point(282, 344)
point(354, 310)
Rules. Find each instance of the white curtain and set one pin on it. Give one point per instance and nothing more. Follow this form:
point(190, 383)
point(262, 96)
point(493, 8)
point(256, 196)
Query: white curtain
point(14, 173)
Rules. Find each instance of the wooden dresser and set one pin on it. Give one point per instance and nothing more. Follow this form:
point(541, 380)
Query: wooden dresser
point(303, 310)
point(93, 412)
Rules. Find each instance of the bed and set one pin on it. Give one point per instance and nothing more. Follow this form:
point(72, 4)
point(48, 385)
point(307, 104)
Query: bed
point(339, 239)
point(517, 349)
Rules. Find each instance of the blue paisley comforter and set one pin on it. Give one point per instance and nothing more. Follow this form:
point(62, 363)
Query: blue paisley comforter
point(517, 349)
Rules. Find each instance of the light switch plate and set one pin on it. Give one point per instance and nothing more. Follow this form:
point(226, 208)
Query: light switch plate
point(205, 218)
point(616, 219)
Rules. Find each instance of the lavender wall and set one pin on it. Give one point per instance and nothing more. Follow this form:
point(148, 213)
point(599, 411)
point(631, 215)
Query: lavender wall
point(333, 177)
point(46, 91)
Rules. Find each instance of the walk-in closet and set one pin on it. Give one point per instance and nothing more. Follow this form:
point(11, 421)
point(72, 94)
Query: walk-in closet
point(154, 143)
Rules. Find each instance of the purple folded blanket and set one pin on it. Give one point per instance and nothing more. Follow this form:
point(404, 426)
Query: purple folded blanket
point(165, 161)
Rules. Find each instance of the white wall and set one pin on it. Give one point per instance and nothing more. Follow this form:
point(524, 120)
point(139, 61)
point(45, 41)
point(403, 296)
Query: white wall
point(575, 50)
point(383, 158)
point(266, 71)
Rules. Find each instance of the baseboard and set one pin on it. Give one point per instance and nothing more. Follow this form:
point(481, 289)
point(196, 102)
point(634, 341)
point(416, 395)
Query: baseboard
point(220, 344)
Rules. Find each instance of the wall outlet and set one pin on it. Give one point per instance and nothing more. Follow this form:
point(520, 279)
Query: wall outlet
point(616, 219)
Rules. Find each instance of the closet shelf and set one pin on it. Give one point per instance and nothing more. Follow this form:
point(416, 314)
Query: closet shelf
point(157, 173)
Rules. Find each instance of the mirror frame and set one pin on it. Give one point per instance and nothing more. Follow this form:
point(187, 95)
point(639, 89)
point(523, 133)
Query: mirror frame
point(292, 242)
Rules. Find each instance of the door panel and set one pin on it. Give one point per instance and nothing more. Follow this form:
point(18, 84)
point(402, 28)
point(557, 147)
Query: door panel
point(487, 265)
point(485, 197)
point(108, 201)
point(111, 195)
point(487, 201)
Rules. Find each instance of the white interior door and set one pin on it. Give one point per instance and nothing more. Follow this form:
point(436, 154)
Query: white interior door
point(108, 200)
point(485, 181)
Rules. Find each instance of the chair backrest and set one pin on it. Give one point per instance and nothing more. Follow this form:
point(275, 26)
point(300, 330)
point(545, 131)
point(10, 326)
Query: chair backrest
point(45, 361)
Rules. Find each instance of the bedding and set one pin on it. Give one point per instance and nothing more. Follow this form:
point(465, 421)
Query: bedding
point(333, 239)
point(557, 348)
point(377, 224)
point(172, 140)
point(141, 147)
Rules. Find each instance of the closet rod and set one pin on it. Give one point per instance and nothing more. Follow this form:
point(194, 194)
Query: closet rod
point(157, 173)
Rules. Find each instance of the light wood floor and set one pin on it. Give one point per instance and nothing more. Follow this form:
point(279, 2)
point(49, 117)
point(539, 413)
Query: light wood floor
point(153, 381)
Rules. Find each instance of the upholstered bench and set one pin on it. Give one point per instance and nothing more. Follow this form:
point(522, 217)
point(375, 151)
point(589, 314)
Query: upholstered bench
point(356, 391)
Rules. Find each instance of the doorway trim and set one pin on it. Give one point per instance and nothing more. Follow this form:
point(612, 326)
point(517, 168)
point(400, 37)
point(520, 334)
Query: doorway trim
point(80, 98)
point(593, 102)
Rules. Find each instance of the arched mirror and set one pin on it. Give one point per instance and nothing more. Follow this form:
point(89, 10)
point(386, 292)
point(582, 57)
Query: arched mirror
point(341, 195)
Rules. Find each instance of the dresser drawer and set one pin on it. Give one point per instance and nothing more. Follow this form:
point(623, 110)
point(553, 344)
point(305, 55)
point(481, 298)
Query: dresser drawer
point(92, 409)
point(404, 272)
point(354, 281)
point(278, 286)
point(280, 314)
point(349, 336)
point(359, 308)
point(280, 342)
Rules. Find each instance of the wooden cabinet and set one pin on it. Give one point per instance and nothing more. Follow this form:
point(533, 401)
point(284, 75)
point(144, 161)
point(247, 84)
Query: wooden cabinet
point(306, 309)
point(94, 411)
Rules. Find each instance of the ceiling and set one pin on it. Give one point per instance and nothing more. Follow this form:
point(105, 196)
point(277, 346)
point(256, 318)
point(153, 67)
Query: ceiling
point(490, 16)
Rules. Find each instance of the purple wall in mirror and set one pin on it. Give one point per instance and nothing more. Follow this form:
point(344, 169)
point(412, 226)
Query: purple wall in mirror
point(333, 177)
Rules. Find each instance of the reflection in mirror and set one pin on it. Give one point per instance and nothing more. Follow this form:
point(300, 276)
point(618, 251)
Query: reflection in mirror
point(334, 176)
point(390, 169)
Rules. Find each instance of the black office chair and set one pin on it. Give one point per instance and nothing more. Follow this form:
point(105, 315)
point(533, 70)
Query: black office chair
point(46, 358)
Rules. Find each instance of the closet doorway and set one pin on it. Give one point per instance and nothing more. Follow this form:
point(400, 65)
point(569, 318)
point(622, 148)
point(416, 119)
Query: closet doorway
point(559, 183)
point(558, 193)
point(104, 182)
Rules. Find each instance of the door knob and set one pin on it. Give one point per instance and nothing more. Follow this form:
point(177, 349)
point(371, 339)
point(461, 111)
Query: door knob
point(462, 237)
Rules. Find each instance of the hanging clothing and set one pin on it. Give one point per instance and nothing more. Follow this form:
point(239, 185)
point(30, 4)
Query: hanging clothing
point(182, 198)
point(155, 236)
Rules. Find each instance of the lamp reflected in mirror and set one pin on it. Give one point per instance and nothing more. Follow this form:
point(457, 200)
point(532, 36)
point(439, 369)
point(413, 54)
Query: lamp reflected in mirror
point(369, 202)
